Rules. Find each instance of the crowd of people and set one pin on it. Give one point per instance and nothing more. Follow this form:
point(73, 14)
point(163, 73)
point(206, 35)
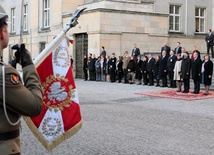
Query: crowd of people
point(173, 68)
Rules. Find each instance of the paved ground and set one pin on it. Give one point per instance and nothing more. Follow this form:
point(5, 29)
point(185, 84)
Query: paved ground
point(118, 122)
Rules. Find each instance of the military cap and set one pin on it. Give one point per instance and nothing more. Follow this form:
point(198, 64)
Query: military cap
point(3, 17)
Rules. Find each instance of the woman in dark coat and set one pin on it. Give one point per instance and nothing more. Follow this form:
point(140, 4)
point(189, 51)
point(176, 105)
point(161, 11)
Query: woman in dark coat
point(138, 73)
point(207, 72)
point(120, 69)
point(156, 70)
point(185, 71)
point(131, 70)
point(144, 70)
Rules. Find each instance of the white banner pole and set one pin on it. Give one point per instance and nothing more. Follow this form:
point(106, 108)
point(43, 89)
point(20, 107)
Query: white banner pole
point(53, 44)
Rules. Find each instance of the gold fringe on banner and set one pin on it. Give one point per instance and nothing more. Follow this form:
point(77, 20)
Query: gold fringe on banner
point(57, 141)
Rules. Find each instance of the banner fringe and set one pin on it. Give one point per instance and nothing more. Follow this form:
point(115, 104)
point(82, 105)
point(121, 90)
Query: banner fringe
point(57, 141)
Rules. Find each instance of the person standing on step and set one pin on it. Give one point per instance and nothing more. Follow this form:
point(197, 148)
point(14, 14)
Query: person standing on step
point(170, 69)
point(177, 72)
point(150, 69)
point(206, 73)
point(185, 71)
point(156, 70)
point(196, 72)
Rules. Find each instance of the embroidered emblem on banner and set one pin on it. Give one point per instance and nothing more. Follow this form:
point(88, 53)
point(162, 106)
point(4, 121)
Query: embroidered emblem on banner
point(57, 93)
point(61, 57)
point(51, 127)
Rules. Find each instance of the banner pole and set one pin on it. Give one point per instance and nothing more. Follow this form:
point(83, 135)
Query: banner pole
point(53, 44)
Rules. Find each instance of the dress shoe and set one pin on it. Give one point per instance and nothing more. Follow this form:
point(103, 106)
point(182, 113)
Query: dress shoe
point(178, 91)
point(193, 92)
point(157, 85)
point(205, 93)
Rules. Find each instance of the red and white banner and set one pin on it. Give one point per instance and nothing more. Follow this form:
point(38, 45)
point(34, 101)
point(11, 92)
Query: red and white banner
point(60, 117)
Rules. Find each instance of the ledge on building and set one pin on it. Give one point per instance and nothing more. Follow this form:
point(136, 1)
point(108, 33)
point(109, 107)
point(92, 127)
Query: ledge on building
point(44, 30)
point(13, 34)
point(200, 33)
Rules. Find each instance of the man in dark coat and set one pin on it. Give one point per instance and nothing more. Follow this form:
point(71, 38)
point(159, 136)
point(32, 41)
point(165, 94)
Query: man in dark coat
point(185, 71)
point(85, 67)
point(178, 48)
point(196, 72)
point(165, 48)
point(209, 40)
point(163, 69)
point(103, 52)
point(91, 67)
point(170, 68)
point(150, 69)
point(135, 52)
point(112, 65)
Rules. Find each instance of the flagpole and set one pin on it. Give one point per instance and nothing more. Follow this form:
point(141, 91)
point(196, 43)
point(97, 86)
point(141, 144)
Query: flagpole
point(53, 44)
point(22, 21)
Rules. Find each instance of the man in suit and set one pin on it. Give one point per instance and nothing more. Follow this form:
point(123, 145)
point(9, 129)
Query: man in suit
point(135, 52)
point(165, 48)
point(91, 67)
point(150, 69)
point(209, 40)
point(103, 52)
point(196, 72)
point(170, 68)
point(177, 48)
point(163, 69)
point(21, 98)
point(185, 71)
point(85, 67)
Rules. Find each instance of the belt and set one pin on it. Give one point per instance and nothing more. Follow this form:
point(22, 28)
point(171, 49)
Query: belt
point(9, 135)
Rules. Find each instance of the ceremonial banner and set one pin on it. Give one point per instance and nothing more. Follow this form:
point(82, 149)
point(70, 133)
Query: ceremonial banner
point(60, 117)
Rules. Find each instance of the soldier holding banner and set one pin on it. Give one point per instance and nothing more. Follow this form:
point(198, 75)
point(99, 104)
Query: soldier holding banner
point(16, 98)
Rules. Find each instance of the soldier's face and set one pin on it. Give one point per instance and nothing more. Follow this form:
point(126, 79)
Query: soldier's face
point(4, 37)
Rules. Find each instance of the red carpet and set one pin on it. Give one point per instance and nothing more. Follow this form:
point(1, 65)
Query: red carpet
point(171, 93)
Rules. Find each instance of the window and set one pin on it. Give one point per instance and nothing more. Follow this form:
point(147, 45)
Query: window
point(174, 18)
point(46, 13)
point(42, 46)
point(200, 20)
point(25, 24)
point(13, 20)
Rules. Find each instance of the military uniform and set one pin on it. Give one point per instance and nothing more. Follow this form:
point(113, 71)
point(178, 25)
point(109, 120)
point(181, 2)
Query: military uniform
point(20, 100)
point(16, 98)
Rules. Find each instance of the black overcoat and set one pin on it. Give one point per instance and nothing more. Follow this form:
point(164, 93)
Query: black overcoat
point(185, 68)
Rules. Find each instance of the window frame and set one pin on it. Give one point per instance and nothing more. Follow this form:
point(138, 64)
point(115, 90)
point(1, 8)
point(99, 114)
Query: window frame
point(46, 14)
point(174, 15)
point(25, 17)
point(13, 17)
point(199, 17)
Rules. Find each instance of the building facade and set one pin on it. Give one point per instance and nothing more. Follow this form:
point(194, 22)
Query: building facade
point(114, 24)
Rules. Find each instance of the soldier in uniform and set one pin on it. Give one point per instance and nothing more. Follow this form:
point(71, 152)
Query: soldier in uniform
point(16, 98)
